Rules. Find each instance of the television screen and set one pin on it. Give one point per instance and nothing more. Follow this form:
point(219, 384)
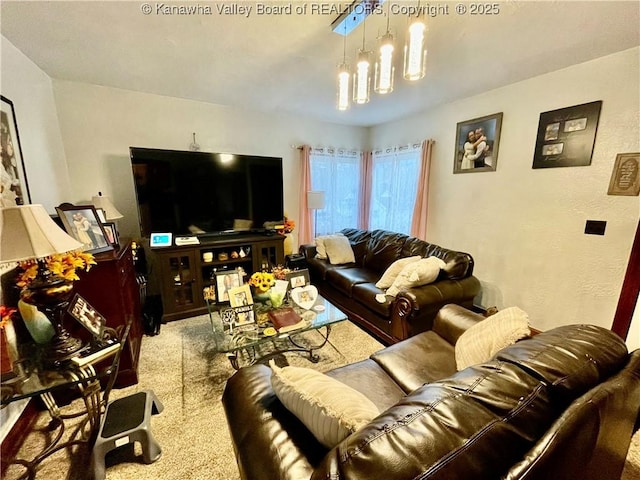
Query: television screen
point(185, 192)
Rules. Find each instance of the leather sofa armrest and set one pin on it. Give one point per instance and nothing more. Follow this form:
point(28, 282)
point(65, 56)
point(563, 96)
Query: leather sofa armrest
point(452, 321)
point(309, 251)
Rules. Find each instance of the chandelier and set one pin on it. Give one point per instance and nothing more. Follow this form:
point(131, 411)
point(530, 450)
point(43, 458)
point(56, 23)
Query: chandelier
point(415, 55)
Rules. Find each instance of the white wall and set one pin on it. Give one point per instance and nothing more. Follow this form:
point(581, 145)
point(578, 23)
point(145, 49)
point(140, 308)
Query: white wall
point(99, 124)
point(525, 227)
point(30, 90)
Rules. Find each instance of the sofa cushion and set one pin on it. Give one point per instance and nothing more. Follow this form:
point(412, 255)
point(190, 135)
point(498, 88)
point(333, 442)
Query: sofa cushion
point(423, 358)
point(330, 409)
point(384, 248)
point(416, 274)
point(339, 250)
point(365, 293)
point(483, 340)
point(392, 272)
point(344, 279)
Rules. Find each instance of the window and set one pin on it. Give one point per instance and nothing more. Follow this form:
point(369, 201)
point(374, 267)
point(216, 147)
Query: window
point(337, 173)
point(394, 188)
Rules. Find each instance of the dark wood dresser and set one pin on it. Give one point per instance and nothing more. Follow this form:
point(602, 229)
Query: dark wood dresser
point(112, 289)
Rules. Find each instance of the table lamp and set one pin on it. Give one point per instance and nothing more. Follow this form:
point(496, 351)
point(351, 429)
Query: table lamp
point(27, 232)
point(105, 203)
point(315, 201)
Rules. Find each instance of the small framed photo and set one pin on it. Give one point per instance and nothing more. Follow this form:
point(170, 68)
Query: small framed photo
point(225, 281)
point(625, 177)
point(242, 302)
point(87, 316)
point(298, 278)
point(477, 144)
point(101, 215)
point(83, 224)
point(111, 232)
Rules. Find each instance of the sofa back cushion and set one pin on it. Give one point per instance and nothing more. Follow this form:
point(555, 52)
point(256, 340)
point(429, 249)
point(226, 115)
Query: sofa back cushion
point(482, 420)
point(383, 249)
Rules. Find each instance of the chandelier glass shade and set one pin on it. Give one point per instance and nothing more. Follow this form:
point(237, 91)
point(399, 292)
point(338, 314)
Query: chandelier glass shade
point(384, 69)
point(343, 86)
point(362, 78)
point(415, 51)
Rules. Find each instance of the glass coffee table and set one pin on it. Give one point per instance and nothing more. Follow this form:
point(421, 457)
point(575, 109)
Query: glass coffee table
point(248, 344)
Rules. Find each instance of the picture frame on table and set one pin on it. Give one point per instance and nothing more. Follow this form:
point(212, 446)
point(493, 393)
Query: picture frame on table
point(298, 278)
point(15, 188)
point(101, 215)
point(625, 177)
point(111, 233)
point(477, 144)
point(225, 281)
point(87, 316)
point(566, 136)
point(83, 224)
point(241, 300)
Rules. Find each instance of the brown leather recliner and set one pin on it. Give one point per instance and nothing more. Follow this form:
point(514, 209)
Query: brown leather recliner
point(560, 405)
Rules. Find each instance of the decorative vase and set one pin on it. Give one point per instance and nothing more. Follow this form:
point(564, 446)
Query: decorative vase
point(37, 323)
point(289, 243)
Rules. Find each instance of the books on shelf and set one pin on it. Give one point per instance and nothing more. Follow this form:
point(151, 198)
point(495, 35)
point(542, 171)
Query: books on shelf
point(286, 319)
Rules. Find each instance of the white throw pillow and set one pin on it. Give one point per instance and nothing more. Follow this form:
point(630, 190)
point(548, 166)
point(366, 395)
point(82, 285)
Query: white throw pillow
point(339, 250)
point(481, 342)
point(392, 272)
point(321, 250)
point(330, 409)
point(416, 274)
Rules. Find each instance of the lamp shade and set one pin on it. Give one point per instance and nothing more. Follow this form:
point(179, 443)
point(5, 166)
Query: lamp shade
point(315, 200)
point(110, 211)
point(28, 232)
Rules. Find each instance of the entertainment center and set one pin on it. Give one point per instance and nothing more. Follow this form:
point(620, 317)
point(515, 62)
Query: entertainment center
point(184, 272)
point(226, 203)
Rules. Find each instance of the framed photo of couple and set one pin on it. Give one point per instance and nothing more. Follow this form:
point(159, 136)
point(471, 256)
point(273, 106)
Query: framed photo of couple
point(477, 144)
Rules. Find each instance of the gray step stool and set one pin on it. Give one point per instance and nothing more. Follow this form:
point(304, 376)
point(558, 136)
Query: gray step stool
point(127, 420)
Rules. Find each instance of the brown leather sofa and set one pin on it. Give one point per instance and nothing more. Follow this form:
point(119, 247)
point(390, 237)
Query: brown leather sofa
point(560, 405)
point(352, 286)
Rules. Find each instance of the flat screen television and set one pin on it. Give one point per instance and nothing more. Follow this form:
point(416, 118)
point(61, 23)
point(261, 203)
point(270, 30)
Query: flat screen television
point(186, 192)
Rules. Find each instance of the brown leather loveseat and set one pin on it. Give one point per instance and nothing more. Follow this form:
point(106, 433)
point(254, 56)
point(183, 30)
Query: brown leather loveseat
point(352, 286)
point(560, 405)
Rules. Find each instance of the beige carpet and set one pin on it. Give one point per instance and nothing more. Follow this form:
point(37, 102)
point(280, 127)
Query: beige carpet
point(181, 366)
point(186, 373)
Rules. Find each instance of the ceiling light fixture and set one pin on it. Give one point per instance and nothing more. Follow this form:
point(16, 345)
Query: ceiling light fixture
point(384, 70)
point(343, 79)
point(353, 15)
point(362, 76)
point(415, 51)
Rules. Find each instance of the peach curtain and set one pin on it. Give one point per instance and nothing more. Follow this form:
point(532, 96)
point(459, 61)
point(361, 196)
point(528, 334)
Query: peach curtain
point(305, 230)
point(366, 179)
point(419, 220)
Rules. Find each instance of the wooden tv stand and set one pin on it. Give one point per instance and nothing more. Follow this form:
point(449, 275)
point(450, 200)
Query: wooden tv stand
point(184, 274)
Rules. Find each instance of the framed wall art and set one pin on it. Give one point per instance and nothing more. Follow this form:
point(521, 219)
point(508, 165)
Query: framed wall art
point(83, 224)
point(625, 177)
point(566, 136)
point(477, 143)
point(14, 189)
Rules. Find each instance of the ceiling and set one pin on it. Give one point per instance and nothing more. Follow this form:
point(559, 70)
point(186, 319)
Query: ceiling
point(287, 63)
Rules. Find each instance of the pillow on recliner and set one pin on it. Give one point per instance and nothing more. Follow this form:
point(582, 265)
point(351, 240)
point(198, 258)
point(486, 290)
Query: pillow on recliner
point(416, 274)
point(330, 409)
point(482, 341)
